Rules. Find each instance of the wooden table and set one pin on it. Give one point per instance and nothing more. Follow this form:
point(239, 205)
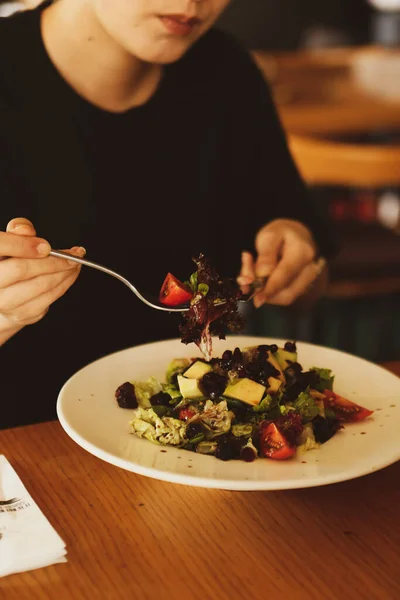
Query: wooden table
point(133, 537)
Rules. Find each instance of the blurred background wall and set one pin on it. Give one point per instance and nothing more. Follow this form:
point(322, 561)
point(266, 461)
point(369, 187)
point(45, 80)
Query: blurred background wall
point(286, 24)
point(340, 106)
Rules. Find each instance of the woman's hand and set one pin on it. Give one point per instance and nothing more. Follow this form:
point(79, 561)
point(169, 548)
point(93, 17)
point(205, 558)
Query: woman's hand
point(30, 280)
point(287, 257)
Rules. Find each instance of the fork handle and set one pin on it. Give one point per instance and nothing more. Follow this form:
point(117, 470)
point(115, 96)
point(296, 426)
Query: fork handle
point(93, 265)
point(83, 261)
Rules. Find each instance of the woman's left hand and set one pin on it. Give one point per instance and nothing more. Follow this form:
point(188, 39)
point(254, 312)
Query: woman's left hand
point(287, 257)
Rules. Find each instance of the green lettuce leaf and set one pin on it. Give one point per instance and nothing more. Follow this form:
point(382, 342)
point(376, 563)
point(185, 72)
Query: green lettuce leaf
point(305, 405)
point(326, 379)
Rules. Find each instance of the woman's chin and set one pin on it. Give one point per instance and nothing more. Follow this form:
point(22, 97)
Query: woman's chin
point(167, 54)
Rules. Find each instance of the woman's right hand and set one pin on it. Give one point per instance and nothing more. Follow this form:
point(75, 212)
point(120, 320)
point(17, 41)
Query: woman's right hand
point(30, 279)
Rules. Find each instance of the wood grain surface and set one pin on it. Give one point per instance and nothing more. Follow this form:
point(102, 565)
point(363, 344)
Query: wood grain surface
point(133, 537)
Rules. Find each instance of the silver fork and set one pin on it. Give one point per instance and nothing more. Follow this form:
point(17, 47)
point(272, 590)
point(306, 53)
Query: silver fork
point(153, 304)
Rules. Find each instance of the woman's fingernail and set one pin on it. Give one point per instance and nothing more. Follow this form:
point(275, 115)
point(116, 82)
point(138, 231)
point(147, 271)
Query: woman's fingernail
point(22, 226)
point(43, 248)
point(78, 251)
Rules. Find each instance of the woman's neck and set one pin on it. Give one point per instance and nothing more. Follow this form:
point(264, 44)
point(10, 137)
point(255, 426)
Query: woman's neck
point(92, 63)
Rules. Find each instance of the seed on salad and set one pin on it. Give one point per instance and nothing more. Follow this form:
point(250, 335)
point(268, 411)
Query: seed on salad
point(125, 396)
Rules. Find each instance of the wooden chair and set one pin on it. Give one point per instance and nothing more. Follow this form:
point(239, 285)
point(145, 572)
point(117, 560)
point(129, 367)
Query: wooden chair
point(325, 162)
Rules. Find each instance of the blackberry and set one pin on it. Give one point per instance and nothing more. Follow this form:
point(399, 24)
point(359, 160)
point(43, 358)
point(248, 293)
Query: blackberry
point(290, 347)
point(213, 385)
point(229, 448)
point(125, 396)
point(193, 430)
point(160, 399)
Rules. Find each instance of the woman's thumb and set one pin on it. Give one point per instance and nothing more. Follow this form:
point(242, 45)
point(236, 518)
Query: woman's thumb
point(268, 246)
point(21, 226)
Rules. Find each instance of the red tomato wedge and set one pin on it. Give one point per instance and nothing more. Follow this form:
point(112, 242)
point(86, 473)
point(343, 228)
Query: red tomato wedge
point(173, 292)
point(273, 443)
point(186, 413)
point(344, 409)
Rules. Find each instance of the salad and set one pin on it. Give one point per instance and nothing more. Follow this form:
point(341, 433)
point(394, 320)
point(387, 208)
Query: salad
point(213, 305)
point(256, 402)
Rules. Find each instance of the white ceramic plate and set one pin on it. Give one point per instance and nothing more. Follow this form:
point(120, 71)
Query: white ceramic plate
point(90, 415)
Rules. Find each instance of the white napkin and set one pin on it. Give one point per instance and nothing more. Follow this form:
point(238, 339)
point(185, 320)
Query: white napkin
point(27, 540)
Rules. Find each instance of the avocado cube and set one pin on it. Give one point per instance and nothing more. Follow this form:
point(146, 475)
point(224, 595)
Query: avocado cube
point(189, 388)
point(272, 359)
point(273, 385)
point(197, 370)
point(283, 356)
point(246, 390)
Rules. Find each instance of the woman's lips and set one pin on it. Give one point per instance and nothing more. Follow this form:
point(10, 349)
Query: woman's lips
point(179, 25)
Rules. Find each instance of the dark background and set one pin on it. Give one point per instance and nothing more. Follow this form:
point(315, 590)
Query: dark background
point(282, 24)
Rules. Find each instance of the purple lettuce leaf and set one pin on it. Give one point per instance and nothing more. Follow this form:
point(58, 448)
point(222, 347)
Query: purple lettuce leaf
point(213, 308)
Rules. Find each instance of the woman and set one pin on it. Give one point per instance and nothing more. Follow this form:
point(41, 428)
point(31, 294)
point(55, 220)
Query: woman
point(134, 128)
